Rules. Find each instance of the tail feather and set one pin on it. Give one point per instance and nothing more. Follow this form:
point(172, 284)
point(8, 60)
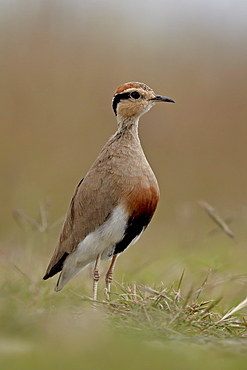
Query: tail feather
point(56, 268)
point(66, 275)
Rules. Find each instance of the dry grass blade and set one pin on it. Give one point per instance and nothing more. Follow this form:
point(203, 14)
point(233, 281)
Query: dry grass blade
point(214, 215)
point(188, 296)
point(43, 223)
point(20, 216)
point(241, 305)
point(203, 284)
point(15, 267)
point(155, 292)
point(44, 216)
point(211, 305)
point(181, 279)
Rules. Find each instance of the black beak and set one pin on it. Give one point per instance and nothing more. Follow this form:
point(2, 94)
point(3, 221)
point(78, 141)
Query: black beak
point(162, 98)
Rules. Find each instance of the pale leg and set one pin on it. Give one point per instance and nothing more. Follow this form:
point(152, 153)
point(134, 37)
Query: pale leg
point(108, 277)
point(96, 277)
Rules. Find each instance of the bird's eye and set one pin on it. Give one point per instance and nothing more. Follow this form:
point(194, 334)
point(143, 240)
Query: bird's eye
point(135, 95)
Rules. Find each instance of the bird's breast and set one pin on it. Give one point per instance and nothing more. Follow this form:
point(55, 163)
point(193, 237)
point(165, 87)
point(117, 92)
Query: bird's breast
point(142, 201)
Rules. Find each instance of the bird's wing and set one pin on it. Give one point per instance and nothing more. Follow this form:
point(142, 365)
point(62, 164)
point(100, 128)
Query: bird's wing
point(92, 202)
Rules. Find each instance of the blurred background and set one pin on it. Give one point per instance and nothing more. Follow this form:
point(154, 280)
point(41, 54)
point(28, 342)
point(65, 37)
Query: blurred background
point(60, 64)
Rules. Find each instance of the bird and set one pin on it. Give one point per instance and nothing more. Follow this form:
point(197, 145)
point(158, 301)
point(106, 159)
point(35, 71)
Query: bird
point(115, 201)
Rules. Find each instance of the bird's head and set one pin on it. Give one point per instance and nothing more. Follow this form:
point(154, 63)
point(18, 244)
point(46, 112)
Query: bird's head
point(133, 99)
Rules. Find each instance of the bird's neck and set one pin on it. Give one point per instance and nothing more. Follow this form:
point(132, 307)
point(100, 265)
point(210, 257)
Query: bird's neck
point(128, 124)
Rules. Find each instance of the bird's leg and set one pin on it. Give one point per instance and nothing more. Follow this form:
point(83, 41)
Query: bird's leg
point(96, 277)
point(108, 277)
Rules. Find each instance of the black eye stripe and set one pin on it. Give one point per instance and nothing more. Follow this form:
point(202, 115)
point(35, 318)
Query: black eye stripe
point(118, 97)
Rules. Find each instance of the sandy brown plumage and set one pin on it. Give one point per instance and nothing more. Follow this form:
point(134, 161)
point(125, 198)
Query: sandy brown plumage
point(120, 179)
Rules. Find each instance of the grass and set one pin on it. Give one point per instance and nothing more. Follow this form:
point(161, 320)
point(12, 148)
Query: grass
point(139, 325)
point(180, 324)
